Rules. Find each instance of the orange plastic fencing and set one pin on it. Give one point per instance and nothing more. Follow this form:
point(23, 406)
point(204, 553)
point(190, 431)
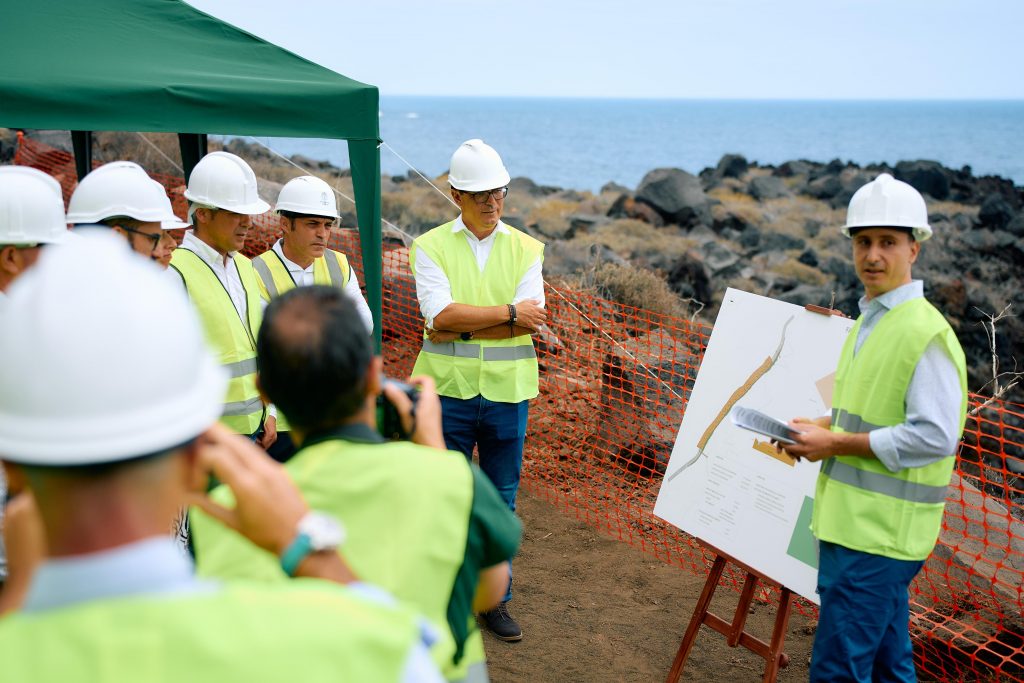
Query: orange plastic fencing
point(615, 381)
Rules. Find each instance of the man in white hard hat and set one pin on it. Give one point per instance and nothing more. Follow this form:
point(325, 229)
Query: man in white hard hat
point(112, 444)
point(31, 217)
point(222, 284)
point(888, 448)
point(422, 522)
point(121, 195)
point(481, 292)
point(308, 212)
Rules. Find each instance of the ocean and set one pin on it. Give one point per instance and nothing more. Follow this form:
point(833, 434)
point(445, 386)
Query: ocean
point(584, 143)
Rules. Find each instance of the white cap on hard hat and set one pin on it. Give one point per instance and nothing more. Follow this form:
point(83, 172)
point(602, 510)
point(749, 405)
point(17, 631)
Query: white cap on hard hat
point(83, 381)
point(888, 203)
point(307, 195)
point(222, 180)
point(31, 207)
point(121, 188)
point(476, 167)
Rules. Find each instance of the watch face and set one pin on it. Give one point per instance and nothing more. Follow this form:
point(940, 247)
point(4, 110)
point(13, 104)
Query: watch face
point(322, 530)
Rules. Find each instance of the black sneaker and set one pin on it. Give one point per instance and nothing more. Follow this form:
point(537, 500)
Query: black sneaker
point(502, 625)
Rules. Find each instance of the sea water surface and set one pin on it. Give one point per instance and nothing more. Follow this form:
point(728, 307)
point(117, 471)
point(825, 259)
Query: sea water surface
point(585, 143)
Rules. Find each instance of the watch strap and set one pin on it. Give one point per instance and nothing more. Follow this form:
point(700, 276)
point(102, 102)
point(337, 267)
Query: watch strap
point(298, 550)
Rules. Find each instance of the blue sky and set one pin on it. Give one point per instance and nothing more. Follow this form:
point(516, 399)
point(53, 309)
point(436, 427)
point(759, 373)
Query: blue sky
point(788, 49)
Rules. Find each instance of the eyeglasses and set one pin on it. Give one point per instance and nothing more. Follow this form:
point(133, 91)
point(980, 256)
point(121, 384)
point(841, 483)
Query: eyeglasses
point(150, 236)
point(482, 196)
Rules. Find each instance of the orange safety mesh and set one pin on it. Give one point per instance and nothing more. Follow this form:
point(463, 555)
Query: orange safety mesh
point(614, 384)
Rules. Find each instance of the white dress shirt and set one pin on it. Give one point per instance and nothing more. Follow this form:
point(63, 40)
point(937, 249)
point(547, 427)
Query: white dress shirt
point(434, 290)
point(303, 277)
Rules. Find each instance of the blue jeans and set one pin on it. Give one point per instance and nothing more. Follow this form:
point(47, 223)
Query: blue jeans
point(498, 430)
point(863, 626)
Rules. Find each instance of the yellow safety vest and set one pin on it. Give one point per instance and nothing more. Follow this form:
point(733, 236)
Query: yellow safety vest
point(406, 509)
point(858, 502)
point(502, 370)
point(305, 630)
point(330, 269)
point(232, 340)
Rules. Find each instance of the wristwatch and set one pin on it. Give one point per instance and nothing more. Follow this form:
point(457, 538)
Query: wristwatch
point(466, 336)
point(317, 531)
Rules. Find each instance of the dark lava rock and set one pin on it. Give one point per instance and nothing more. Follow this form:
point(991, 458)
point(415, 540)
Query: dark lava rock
point(718, 257)
point(792, 168)
point(584, 223)
point(842, 270)
point(731, 166)
point(627, 207)
point(929, 177)
point(689, 278)
point(614, 187)
point(825, 187)
point(777, 241)
point(751, 238)
point(768, 187)
point(996, 213)
point(523, 185)
point(809, 257)
point(677, 195)
point(812, 227)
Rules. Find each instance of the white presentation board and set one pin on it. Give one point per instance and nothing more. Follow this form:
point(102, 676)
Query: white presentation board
point(726, 485)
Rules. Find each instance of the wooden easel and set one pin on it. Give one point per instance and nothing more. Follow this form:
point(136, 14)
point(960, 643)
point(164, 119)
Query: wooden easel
point(734, 632)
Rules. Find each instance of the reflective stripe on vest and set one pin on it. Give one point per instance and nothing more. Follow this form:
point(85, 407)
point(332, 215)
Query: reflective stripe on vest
point(502, 370)
point(331, 269)
point(214, 635)
point(231, 339)
point(880, 483)
point(859, 503)
point(424, 519)
point(490, 353)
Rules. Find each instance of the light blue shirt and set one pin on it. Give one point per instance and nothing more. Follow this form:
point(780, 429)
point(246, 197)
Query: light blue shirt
point(932, 428)
point(155, 566)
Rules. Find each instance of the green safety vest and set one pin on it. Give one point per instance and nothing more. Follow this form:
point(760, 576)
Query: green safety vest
point(406, 510)
point(303, 630)
point(858, 502)
point(330, 269)
point(232, 340)
point(503, 370)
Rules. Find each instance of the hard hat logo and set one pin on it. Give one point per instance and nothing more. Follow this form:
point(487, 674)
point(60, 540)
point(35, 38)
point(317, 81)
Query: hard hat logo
point(888, 203)
point(323, 199)
point(476, 166)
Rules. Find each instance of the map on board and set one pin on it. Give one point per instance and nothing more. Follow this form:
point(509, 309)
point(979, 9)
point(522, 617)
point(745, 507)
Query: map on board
point(728, 486)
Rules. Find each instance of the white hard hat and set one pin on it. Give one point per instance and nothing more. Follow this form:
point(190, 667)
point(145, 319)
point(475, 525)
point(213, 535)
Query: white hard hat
point(307, 195)
point(121, 188)
point(31, 207)
point(223, 180)
point(475, 167)
point(84, 380)
point(888, 203)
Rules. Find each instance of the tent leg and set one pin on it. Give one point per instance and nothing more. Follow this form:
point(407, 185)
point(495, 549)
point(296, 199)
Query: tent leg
point(193, 147)
point(81, 141)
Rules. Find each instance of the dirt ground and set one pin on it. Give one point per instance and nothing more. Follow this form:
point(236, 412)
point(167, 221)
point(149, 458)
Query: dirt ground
point(596, 609)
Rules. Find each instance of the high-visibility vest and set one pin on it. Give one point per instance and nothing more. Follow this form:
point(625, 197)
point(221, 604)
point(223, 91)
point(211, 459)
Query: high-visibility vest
point(330, 269)
point(232, 340)
point(858, 502)
point(306, 630)
point(502, 370)
point(406, 510)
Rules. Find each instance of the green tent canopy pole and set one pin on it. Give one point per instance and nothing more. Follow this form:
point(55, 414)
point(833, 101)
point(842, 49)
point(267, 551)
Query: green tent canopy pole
point(81, 142)
point(364, 157)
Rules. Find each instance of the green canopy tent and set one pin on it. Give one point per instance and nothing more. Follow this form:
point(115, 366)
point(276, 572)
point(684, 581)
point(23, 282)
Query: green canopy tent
point(164, 66)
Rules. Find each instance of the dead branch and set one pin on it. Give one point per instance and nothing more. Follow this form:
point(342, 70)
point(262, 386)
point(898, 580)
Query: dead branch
point(1012, 377)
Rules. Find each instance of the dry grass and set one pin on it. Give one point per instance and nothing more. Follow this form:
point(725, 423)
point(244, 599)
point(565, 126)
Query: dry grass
point(633, 287)
point(800, 272)
point(552, 216)
point(635, 239)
